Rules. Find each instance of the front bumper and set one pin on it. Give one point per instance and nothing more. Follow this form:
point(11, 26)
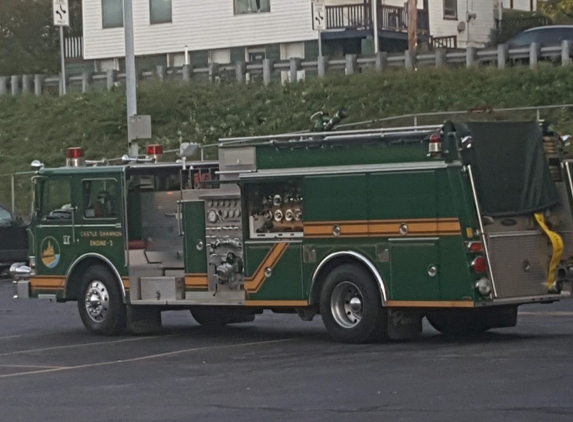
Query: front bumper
point(20, 273)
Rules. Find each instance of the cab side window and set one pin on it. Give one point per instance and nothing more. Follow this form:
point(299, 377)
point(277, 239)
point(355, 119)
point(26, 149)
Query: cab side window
point(100, 198)
point(56, 200)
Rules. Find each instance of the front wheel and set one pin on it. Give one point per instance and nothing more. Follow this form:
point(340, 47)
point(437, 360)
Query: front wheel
point(100, 302)
point(351, 307)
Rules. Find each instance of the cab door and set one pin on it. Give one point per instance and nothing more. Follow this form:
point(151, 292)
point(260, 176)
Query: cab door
point(54, 235)
point(99, 228)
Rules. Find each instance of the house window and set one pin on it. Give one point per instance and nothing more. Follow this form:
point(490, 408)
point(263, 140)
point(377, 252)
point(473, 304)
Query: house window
point(450, 9)
point(252, 6)
point(112, 13)
point(160, 11)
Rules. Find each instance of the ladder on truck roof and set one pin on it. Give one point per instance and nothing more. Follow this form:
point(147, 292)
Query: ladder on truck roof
point(343, 135)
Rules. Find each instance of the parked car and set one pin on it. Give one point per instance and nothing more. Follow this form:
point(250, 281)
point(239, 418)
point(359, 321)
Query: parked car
point(542, 35)
point(13, 239)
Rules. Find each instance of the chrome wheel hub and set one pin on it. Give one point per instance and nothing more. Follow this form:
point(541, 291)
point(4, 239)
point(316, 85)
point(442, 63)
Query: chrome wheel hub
point(97, 301)
point(346, 304)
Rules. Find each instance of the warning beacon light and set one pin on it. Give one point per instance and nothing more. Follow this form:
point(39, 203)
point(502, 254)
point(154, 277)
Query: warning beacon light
point(154, 151)
point(75, 157)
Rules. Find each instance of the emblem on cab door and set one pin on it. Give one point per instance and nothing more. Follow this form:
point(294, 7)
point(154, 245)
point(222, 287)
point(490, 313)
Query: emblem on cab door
point(50, 252)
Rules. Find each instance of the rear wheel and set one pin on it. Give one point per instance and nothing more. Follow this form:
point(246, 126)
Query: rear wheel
point(458, 322)
point(350, 306)
point(100, 303)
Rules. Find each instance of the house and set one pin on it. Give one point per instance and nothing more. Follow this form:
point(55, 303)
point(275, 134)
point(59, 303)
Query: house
point(174, 32)
point(525, 5)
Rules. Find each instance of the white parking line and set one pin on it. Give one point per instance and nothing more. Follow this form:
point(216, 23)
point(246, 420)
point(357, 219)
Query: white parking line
point(548, 313)
point(31, 366)
point(148, 357)
point(71, 346)
point(2, 338)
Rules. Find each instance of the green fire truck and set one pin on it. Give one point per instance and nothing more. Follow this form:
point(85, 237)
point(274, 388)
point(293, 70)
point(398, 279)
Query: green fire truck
point(372, 229)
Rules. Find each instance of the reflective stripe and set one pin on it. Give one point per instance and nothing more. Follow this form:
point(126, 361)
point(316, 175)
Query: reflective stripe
point(557, 244)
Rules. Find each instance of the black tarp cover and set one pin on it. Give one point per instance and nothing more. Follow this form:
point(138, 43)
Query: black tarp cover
point(509, 167)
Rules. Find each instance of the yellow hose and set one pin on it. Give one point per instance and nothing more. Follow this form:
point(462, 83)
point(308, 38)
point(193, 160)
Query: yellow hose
point(557, 244)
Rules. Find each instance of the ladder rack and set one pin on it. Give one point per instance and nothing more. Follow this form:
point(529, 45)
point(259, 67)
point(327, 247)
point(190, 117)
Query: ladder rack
point(359, 134)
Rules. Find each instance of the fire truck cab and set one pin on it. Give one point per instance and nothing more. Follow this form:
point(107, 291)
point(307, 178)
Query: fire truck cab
point(371, 229)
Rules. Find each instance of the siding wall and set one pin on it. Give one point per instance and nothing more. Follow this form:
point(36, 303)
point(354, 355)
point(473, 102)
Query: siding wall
point(199, 24)
point(477, 31)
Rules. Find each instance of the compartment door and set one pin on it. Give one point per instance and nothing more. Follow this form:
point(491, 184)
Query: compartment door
point(414, 269)
point(195, 244)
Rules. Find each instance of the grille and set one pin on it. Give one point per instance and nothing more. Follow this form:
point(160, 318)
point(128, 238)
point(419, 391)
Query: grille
point(519, 263)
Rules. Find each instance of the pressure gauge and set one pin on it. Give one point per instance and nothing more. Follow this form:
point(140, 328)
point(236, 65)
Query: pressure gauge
point(278, 215)
point(212, 216)
point(297, 214)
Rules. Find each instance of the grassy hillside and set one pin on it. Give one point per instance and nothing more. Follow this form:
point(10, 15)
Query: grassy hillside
point(43, 127)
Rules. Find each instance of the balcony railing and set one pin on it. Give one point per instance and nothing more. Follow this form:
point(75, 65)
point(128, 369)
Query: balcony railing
point(359, 16)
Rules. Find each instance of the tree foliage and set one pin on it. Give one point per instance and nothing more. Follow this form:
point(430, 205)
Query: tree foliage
point(557, 9)
point(29, 42)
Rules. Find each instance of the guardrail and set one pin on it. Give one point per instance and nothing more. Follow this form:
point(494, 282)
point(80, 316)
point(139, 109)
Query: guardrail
point(268, 71)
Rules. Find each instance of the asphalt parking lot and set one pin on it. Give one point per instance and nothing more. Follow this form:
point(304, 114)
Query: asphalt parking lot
point(279, 368)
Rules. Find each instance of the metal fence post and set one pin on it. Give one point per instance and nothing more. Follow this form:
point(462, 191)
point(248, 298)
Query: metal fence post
point(15, 84)
point(534, 50)
point(13, 187)
point(441, 56)
point(409, 59)
point(3, 84)
point(502, 53)
point(471, 56)
point(268, 66)
point(295, 66)
point(213, 71)
point(240, 70)
point(565, 52)
point(38, 84)
point(186, 72)
point(381, 60)
point(86, 81)
point(27, 84)
point(322, 66)
point(111, 78)
point(350, 67)
point(160, 72)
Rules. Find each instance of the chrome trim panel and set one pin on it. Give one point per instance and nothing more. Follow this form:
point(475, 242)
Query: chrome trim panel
point(482, 232)
point(533, 232)
point(524, 300)
point(104, 259)
point(362, 259)
point(367, 168)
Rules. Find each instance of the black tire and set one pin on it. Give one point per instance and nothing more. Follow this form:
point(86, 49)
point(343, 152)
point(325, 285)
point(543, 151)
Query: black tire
point(213, 317)
point(100, 302)
point(351, 307)
point(458, 322)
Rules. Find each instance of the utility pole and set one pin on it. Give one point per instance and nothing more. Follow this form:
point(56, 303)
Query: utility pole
point(61, 16)
point(130, 78)
point(412, 25)
point(375, 25)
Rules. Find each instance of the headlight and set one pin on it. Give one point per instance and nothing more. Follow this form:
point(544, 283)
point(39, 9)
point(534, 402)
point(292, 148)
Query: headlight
point(483, 286)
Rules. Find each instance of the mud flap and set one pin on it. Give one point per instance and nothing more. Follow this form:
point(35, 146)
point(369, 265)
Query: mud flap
point(143, 319)
point(404, 323)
